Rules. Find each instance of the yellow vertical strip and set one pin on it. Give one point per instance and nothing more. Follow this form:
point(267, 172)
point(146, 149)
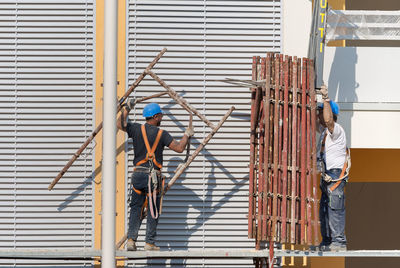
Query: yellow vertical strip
point(120, 176)
point(99, 119)
point(120, 172)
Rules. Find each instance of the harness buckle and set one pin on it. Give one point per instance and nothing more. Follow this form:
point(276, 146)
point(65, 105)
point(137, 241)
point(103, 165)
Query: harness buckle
point(327, 178)
point(150, 156)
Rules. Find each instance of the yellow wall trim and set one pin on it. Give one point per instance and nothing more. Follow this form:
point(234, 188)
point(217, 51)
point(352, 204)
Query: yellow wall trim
point(120, 172)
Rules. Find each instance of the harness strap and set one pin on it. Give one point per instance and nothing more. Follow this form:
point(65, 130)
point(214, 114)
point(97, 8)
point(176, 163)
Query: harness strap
point(145, 170)
point(341, 177)
point(152, 197)
point(342, 173)
point(150, 152)
point(143, 210)
point(141, 193)
point(321, 152)
point(162, 193)
point(137, 191)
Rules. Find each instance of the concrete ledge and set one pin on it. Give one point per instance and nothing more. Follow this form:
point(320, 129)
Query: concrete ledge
point(348, 253)
point(82, 254)
point(189, 254)
point(140, 254)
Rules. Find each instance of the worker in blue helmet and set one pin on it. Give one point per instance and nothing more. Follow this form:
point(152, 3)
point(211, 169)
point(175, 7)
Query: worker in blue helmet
point(334, 164)
point(149, 142)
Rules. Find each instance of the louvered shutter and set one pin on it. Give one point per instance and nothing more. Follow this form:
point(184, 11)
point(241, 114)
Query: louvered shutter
point(46, 113)
point(207, 41)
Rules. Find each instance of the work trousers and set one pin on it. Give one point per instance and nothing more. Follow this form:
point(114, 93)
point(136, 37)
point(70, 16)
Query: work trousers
point(140, 182)
point(332, 212)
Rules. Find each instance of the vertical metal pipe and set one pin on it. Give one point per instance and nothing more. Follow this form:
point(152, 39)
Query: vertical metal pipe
point(261, 142)
point(260, 153)
point(285, 148)
point(267, 159)
point(260, 173)
point(252, 157)
point(109, 134)
point(251, 167)
point(276, 152)
point(303, 151)
point(308, 141)
point(271, 150)
point(280, 131)
point(294, 154)
point(256, 162)
point(298, 150)
point(314, 150)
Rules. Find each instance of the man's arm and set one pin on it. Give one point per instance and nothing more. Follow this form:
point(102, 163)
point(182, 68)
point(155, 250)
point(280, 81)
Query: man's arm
point(127, 107)
point(328, 116)
point(121, 121)
point(180, 146)
point(327, 111)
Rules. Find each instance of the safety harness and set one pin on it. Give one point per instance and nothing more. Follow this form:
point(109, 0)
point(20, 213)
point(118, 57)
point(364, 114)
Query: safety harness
point(345, 170)
point(153, 173)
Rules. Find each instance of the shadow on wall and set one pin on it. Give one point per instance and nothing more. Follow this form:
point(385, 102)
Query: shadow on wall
point(204, 206)
point(342, 85)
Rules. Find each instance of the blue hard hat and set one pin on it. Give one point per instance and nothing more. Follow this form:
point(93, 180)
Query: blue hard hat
point(151, 109)
point(334, 107)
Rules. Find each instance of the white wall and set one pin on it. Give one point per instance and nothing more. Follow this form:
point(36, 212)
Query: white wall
point(364, 81)
point(296, 27)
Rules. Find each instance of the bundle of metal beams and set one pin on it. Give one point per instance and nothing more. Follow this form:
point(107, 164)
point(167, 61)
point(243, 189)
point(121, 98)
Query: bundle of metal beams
point(283, 177)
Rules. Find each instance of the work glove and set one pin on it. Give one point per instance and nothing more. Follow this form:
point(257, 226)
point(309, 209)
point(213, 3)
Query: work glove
point(189, 131)
point(130, 104)
point(324, 92)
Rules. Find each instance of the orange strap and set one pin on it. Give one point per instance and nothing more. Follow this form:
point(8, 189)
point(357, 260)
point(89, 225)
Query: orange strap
point(141, 193)
point(150, 152)
point(323, 143)
point(136, 190)
point(333, 187)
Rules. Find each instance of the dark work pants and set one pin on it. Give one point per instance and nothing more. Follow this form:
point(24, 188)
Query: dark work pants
point(140, 181)
point(332, 212)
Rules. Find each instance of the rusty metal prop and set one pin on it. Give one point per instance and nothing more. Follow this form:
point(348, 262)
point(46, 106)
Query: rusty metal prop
point(100, 126)
point(181, 168)
point(283, 205)
point(180, 100)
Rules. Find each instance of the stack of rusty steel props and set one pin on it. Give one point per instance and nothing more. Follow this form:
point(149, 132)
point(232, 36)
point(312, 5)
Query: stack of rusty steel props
point(174, 95)
point(283, 176)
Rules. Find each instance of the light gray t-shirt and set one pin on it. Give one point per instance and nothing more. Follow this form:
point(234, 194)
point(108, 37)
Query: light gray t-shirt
point(335, 147)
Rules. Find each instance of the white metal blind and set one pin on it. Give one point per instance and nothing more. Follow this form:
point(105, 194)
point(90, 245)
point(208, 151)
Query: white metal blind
point(207, 41)
point(46, 113)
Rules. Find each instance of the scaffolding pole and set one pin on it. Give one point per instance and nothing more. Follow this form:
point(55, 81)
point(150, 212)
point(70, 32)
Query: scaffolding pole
point(109, 138)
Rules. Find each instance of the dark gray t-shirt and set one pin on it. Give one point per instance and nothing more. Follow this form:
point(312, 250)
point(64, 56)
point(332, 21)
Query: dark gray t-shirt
point(135, 133)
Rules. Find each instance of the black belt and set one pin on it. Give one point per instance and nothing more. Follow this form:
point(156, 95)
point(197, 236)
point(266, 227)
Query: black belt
point(144, 170)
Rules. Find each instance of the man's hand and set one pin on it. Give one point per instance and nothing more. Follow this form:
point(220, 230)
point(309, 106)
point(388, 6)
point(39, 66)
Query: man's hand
point(130, 104)
point(189, 131)
point(324, 92)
